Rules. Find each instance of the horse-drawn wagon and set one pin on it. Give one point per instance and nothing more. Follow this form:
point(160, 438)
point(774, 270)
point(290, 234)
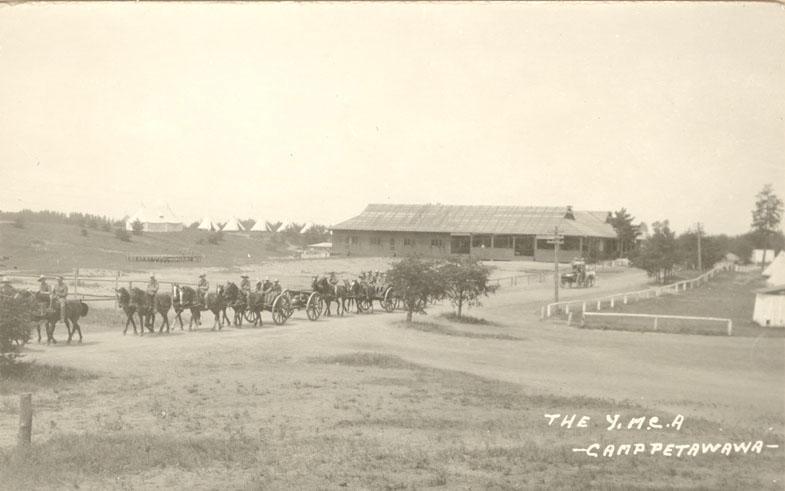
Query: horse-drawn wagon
point(278, 303)
point(581, 275)
point(308, 300)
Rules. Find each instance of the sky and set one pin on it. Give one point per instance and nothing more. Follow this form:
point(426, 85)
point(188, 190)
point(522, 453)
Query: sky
point(308, 112)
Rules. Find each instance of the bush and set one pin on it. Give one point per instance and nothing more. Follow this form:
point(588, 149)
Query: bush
point(106, 227)
point(83, 232)
point(16, 321)
point(137, 227)
point(215, 237)
point(19, 222)
point(122, 234)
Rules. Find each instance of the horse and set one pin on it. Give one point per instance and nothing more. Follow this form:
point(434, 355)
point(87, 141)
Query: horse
point(185, 298)
point(330, 293)
point(255, 306)
point(124, 301)
point(50, 314)
point(161, 303)
point(237, 300)
point(361, 293)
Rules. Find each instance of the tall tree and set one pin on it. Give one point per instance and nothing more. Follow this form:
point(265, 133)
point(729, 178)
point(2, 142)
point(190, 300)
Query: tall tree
point(659, 253)
point(766, 216)
point(621, 221)
point(416, 282)
point(465, 281)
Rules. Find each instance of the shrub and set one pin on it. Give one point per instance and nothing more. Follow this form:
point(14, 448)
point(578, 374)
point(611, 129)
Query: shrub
point(137, 227)
point(19, 222)
point(122, 234)
point(416, 282)
point(106, 227)
point(215, 237)
point(83, 232)
point(16, 321)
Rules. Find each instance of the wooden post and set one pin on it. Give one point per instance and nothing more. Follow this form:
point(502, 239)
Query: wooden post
point(116, 286)
point(76, 281)
point(612, 301)
point(730, 327)
point(625, 299)
point(599, 305)
point(555, 264)
point(655, 323)
point(548, 311)
point(583, 308)
point(25, 421)
point(569, 318)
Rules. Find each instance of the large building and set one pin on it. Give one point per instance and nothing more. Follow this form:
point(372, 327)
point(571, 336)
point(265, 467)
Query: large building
point(485, 232)
point(157, 218)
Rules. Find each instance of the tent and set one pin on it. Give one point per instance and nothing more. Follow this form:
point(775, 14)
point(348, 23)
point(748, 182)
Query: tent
point(770, 307)
point(233, 225)
point(156, 218)
point(306, 227)
point(207, 224)
point(259, 226)
point(775, 272)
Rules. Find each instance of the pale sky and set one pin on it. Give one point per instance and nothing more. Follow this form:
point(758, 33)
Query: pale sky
point(307, 112)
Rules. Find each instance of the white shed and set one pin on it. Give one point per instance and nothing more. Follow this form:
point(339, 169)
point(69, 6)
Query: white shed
point(770, 307)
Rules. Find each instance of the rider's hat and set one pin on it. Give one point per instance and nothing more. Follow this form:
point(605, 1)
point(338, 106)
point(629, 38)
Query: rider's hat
point(275, 280)
point(203, 275)
point(152, 275)
point(5, 280)
point(42, 278)
point(243, 276)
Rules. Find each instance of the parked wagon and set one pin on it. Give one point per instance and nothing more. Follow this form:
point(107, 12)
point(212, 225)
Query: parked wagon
point(580, 276)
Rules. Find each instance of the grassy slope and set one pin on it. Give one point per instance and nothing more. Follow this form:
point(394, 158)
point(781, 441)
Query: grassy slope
point(58, 247)
point(729, 295)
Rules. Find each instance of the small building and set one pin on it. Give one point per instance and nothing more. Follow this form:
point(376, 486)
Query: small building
point(320, 250)
point(757, 256)
point(484, 232)
point(158, 218)
point(770, 306)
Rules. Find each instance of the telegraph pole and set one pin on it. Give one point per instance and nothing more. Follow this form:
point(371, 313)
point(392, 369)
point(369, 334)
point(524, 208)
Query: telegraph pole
point(556, 241)
point(700, 262)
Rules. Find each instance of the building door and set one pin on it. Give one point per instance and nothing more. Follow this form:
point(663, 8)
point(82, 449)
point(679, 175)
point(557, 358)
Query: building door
point(524, 245)
point(459, 244)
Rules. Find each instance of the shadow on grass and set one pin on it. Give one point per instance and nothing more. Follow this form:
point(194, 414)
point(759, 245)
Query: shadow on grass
point(365, 359)
point(70, 456)
point(25, 376)
point(435, 328)
point(467, 319)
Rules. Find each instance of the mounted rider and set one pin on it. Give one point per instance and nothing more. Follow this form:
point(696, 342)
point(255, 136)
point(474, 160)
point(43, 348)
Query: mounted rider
point(152, 289)
point(276, 287)
point(60, 294)
point(333, 281)
point(245, 288)
point(202, 287)
point(267, 285)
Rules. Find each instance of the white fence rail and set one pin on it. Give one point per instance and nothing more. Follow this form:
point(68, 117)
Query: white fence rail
point(728, 323)
point(584, 305)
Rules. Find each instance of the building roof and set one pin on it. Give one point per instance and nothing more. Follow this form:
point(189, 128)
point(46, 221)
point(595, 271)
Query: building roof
point(523, 220)
point(772, 290)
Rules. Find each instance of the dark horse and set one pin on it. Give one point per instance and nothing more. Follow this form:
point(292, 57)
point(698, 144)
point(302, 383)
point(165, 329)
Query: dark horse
point(330, 293)
point(362, 294)
point(146, 308)
point(124, 301)
point(185, 298)
point(50, 313)
point(237, 300)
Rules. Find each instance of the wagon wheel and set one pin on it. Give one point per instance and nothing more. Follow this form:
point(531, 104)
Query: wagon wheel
point(367, 305)
point(388, 301)
point(314, 306)
point(281, 309)
point(250, 316)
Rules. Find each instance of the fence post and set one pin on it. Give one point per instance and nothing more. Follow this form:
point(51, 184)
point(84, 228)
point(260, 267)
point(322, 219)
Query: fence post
point(599, 305)
point(583, 308)
point(76, 281)
point(569, 318)
point(655, 323)
point(730, 327)
point(612, 301)
point(116, 286)
point(625, 299)
point(548, 311)
point(25, 421)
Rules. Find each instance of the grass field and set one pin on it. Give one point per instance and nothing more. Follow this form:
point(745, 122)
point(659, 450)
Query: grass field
point(729, 295)
point(371, 402)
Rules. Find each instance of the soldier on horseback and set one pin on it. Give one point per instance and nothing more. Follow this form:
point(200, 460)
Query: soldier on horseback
point(202, 287)
point(43, 287)
point(60, 294)
point(152, 289)
point(245, 288)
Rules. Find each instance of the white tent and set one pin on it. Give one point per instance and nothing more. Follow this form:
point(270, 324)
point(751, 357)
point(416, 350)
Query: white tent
point(306, 227)
point(156, 218)
point(233, 225)
point(259, 226)
point(207, 224)
point(775, 272)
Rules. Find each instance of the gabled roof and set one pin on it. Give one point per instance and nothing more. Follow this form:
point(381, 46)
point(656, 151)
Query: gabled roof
point(524, 220)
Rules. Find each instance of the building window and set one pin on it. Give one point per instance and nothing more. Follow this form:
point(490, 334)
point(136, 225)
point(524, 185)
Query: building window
point(392, 243)
point(481, 241)
point(376, 241)
point(571, 243)
point(408, 242)
point(544, 245)
point(437, 243)
point(524, 245)
point(502, 242)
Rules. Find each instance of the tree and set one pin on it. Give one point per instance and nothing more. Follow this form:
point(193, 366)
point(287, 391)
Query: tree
point(659, 253)
point(416, 282)
point(621, 221)
point(272, 226)
point(15, 324)
point(137, 227)
point(248, 223)
point(465, 281)
point(766, 216)
point(122, 234)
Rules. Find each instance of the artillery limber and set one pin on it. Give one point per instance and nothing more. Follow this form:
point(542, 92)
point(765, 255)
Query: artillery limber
point(307, 300)
point(276, 302)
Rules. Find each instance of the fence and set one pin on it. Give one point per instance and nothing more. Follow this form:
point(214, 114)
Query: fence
point(727, 323)
point(611, 300)
point(165, 258)
point(521, 279)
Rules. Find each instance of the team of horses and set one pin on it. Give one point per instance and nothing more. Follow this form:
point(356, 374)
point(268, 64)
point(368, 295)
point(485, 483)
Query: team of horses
point(138, 305)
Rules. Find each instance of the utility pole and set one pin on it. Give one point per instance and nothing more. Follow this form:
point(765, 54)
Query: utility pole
point(700, 261)
point(556, 241)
